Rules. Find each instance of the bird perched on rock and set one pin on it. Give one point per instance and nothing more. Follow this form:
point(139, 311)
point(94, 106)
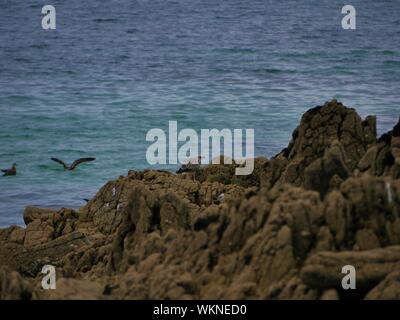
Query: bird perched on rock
point(10, 172)
point(74, 164)
point(191, 166)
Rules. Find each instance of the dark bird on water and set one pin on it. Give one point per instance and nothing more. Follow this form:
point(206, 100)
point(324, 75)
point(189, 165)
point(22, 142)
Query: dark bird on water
point(74, 164)
point(10, 172)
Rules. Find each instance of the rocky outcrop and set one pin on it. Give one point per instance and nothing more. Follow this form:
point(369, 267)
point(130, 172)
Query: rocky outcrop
point(383, 158)
point(387, 289)
point(13, 286)
point(331, 198)
point(328, 143)
point(323, 270)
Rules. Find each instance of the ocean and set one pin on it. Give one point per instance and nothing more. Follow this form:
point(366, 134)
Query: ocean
point(113, 70)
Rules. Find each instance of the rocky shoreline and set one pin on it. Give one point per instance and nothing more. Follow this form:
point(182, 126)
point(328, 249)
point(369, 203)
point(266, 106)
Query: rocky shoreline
point(331, 198)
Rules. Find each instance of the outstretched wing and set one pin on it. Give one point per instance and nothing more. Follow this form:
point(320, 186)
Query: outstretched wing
point(60, 162)
point(79, 161)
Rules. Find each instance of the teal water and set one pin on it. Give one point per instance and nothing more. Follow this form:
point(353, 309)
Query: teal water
point(113, 70)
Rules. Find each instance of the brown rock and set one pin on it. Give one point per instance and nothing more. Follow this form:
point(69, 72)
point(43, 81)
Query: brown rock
point(387, 289)
point(323, 270)
point(13, 286)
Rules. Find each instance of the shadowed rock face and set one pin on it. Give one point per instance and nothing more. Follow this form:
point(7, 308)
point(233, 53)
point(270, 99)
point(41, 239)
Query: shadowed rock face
point(326, 147)
point(331, 198)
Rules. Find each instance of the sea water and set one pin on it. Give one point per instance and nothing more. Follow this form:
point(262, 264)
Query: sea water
point(113, 70)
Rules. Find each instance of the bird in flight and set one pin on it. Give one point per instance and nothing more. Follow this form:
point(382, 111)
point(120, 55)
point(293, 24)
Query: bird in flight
point(74, 164)
point(10, 172)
